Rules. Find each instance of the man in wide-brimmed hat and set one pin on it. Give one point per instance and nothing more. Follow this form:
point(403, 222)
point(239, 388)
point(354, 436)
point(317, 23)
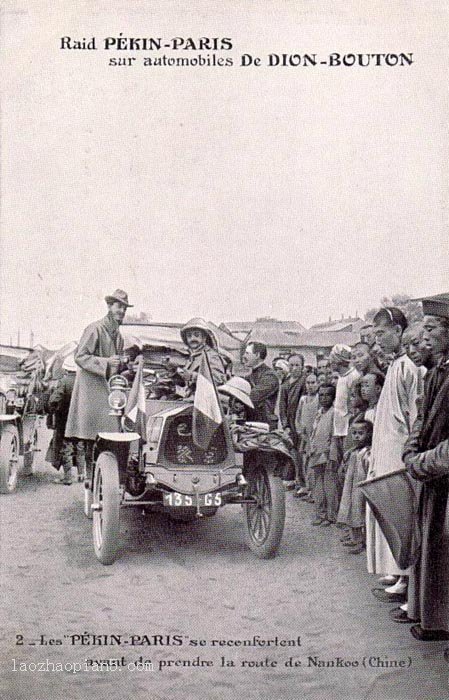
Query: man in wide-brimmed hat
point(200, 339)
point(97, 358)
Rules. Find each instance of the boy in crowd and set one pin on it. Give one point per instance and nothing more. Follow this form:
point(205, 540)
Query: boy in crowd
point(305, 417)
point(325, 490)
point(352, 506)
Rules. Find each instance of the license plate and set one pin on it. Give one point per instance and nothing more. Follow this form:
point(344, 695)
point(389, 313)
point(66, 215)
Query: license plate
point(174, 499)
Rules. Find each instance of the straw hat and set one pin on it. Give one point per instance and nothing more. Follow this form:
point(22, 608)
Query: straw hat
point(239, 388)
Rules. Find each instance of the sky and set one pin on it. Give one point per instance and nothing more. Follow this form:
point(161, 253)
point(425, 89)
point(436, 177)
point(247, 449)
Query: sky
point(231, 193)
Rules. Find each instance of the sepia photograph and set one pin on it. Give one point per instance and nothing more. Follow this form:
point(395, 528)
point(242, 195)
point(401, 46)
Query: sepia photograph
point(224, 350)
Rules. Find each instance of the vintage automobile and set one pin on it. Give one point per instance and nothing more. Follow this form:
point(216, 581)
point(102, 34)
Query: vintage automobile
point(20, 421)
point(170, 474)
point(21, 416)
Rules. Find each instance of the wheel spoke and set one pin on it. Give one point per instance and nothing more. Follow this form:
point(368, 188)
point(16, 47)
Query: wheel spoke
point(265, 520)
point(256, 519)
point(12, 461)
point(258, 527)
point(98, 516)
point(252, 515)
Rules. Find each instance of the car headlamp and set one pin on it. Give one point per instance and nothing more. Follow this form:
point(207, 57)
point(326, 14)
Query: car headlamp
point(117, 399)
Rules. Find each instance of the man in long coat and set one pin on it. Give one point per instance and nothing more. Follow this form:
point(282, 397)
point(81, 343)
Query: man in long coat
point(98, 358)
point(426, 455)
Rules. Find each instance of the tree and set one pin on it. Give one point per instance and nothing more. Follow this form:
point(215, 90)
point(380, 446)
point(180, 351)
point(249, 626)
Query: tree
point(411, 309)
point(138, 319)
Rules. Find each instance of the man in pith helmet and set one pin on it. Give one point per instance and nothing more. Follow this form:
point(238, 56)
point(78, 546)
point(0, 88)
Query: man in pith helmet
point(199, 338)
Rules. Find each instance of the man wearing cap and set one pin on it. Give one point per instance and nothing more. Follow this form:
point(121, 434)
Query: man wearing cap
point(340, 358)
point(426, 456)
point(199, 339)
point(98, 358)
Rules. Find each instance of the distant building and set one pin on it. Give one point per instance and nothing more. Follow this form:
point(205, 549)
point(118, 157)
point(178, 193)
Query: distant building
point(351, 325)
point(242, 329)
point(308, 343)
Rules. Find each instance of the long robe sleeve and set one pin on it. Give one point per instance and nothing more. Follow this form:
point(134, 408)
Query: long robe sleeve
point(431, 463)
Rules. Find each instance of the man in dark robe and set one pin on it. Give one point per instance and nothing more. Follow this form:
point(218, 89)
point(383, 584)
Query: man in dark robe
point(290, 392)
point(264, 384)
point(426, 456)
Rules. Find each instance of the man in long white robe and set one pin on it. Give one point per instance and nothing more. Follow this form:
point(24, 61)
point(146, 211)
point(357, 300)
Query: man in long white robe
point(395, 415)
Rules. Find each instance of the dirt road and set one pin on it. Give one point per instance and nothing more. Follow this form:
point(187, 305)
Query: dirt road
point(207, 617)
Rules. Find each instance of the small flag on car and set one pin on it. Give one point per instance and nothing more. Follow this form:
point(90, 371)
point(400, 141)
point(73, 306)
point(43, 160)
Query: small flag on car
point(135, 417)
point(207, 414)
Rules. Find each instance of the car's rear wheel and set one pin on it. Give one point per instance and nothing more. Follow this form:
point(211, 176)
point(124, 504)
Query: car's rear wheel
point(265, 517)
point(9, 458)
point(106, 508)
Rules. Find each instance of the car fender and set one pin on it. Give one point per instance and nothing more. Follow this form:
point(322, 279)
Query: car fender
point(8, 417)
point(118, 437)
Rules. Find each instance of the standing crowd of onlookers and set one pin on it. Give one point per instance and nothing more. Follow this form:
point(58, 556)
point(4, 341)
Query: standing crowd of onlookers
point(369, 411)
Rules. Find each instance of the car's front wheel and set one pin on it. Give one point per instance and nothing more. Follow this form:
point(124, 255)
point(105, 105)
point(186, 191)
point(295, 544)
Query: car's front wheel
point(106, 508)
point(265, 516)
point(9, 458)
